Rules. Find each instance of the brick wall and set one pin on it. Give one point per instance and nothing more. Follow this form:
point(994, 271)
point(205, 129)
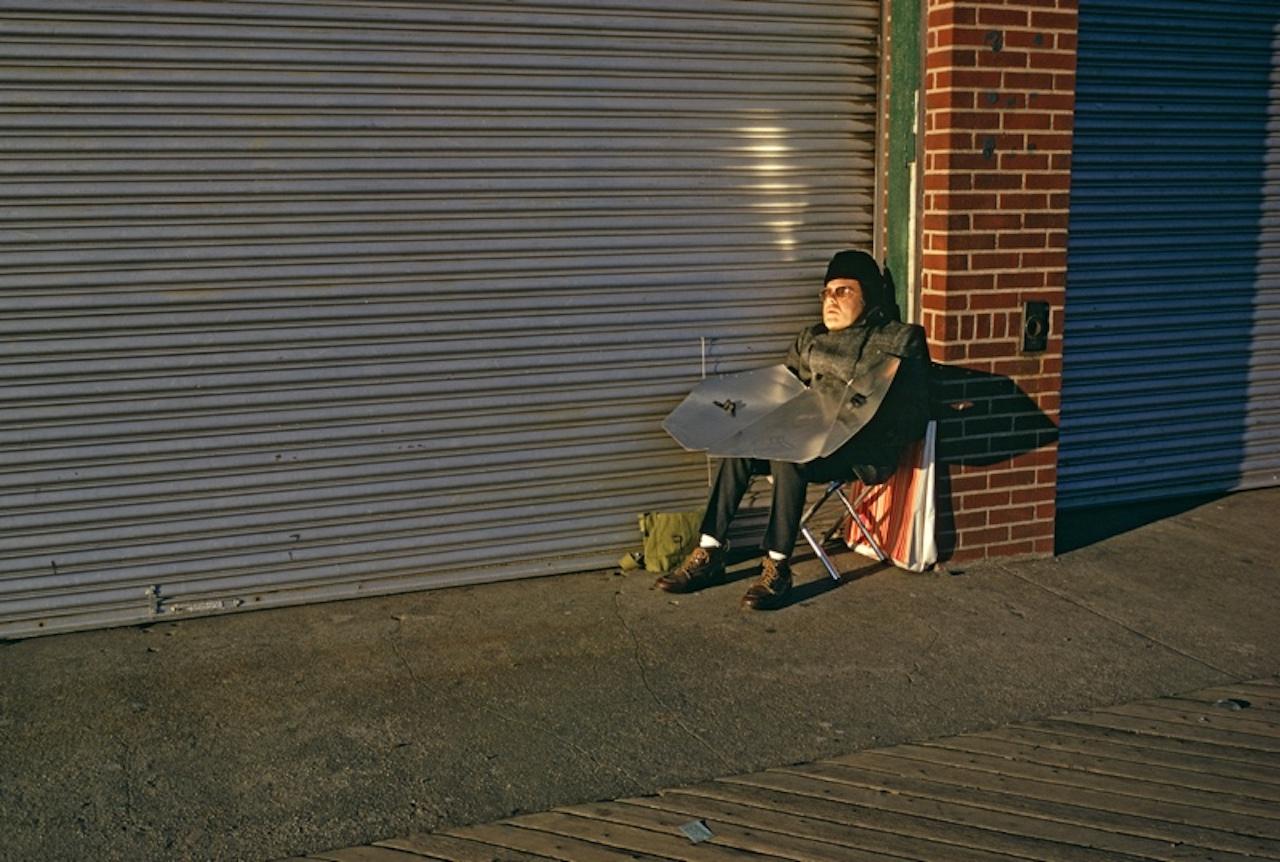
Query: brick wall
point(999, 95)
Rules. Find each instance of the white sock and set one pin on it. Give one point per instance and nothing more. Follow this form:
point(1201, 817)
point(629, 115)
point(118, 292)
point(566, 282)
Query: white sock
point(709, 542)
point(776, 557)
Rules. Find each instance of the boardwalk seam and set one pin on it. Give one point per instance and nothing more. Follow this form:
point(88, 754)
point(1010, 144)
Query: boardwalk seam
point(727, 841)
point(1232, 753)
point(1082, 750)
point(1138, 743)
point(1094, 773)
point(1212, 716)
point(418, 853)
point(605, 841)
point(1044, 793)
point(1008, 810)
point(924, 822)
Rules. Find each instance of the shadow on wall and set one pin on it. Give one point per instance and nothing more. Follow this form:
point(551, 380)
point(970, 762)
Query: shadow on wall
point(984, 419)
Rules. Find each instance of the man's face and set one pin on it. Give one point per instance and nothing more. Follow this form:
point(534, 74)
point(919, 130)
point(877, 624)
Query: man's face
point(842, 303)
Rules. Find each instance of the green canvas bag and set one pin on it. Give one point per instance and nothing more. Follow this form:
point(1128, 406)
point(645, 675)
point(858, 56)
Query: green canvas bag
point(666, 539)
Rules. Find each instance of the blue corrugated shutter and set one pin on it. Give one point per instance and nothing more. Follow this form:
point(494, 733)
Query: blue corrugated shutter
point(1171, 381)
point(309, 300)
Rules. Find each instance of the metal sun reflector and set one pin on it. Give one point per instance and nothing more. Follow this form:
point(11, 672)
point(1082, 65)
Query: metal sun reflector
point(769, 414)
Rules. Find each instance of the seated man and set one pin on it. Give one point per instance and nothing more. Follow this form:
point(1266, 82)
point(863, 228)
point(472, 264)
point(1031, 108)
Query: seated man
point(860, 325)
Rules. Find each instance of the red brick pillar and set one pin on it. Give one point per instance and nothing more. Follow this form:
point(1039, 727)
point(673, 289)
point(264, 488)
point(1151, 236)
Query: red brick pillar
point(999, 96)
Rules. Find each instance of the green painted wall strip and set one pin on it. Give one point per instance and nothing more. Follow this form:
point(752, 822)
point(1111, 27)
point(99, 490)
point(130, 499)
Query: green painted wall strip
point(904, 72)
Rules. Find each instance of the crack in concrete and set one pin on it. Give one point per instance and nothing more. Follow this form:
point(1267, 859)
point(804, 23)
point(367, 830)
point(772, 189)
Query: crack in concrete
point(1115, 621)
point(413, 675)
point(915, 664)
point(644, 680)
point(126, 777)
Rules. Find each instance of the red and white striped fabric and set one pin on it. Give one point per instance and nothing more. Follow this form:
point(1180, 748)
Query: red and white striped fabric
point(900, 513)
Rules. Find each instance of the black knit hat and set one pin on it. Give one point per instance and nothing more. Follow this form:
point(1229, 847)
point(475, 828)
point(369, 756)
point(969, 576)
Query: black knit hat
point(863, 267)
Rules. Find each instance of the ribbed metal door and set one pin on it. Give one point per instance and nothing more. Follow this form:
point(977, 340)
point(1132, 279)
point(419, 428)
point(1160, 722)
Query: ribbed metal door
point(1172, 345)
point(306, 300)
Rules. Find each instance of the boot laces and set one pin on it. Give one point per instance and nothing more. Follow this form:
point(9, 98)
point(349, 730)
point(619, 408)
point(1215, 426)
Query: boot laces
point(771, 573)
point(698, 559)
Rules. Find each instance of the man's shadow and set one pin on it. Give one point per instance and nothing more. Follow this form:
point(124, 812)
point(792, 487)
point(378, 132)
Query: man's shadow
point(983, 420)
point(744, 567)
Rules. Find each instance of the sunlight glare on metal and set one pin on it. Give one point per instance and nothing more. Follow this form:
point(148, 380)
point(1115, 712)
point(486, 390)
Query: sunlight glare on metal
point(768, 143)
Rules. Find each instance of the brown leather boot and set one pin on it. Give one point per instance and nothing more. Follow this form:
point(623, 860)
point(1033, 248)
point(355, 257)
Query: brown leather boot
point(704, 567)
point(771, 588)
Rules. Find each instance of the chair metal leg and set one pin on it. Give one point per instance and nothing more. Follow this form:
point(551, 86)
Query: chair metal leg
point(862, 528)
point(832, 488)
point(837, 489)
point(819, 552)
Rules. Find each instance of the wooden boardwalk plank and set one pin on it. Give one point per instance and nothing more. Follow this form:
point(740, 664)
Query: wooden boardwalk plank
point(570, 848)
point(1267, 705)
point(1219, 701)
point(448, 849)
point(1118, 768)
point(1097, 822)
point(1178, 723)
point(1259, 697)
point(1072, 776)
point(1252, 719)
point(1128, 769)
point(1257, 734)
point(1036, 834)
point(896, 762)
point(753, 838)
point(845, 833)
point(1191, 738)
point(1106, 727)
point(1269, 681)
point(1126, 748)
point(927, 819)
point(670, 844)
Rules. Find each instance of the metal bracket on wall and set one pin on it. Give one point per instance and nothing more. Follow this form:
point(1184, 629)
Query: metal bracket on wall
point(1035, 326)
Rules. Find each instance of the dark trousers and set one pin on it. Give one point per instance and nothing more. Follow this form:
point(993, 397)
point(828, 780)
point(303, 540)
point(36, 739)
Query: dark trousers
point(789, 487)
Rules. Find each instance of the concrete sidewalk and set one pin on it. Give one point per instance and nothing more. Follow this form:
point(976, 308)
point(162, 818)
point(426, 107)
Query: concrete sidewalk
point(1190, 777)
point(287, 732)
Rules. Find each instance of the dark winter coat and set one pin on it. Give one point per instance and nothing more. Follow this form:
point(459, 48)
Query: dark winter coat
point(820, 357)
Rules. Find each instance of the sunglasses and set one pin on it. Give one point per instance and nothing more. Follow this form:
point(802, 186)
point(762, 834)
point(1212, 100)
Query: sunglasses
point(839, 293)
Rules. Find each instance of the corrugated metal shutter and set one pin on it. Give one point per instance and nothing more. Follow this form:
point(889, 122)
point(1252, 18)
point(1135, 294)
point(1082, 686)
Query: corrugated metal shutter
point(307, 300)
point(1172, 344)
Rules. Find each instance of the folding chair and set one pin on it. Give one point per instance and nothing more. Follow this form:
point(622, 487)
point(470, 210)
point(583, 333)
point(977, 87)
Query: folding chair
point(837, 488)
point(908, 495)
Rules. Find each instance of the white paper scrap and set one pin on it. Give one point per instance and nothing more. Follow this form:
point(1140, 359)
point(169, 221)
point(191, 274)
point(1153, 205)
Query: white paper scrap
point(696, 831)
